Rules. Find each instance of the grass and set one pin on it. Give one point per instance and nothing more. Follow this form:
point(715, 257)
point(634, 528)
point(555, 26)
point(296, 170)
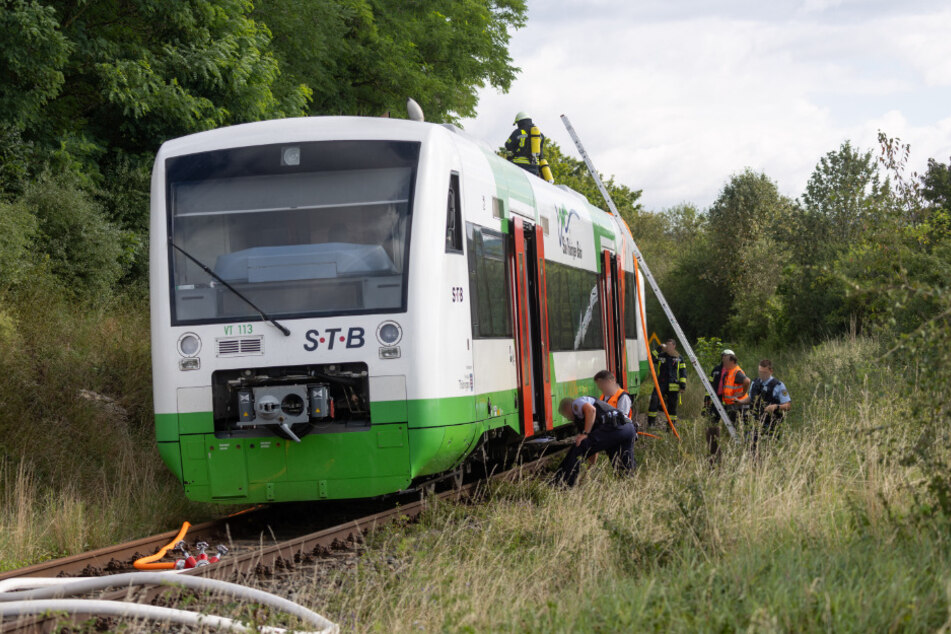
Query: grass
point(817, 534)
point(824, 531)
point(78, 463)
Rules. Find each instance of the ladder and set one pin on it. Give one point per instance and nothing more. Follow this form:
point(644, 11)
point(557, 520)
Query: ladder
point(653, 283)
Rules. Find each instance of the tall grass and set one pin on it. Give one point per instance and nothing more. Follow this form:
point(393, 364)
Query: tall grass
point(816, 533)
point(78, 463)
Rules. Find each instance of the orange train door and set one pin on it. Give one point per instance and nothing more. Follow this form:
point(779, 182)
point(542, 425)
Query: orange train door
point(620, 304)
point(543, 370)
point(530, 308)
point(612, 316)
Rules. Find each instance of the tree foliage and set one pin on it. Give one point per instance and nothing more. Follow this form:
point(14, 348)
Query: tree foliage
point(89, 91)
point(365, 57)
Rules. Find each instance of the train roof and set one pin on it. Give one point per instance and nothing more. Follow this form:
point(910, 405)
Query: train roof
point(300, 129)
point(303, 129)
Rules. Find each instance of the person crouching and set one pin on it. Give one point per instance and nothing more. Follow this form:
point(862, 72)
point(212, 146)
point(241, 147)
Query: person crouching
point(603, 428)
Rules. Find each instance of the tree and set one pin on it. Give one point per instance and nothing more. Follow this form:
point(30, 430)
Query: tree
point(365, 57)
point(843, 196)
point(749, 206)
point(141, 72)
point(936, 184)
point(936, 192)
point(32, 58)
point(747, 257)
point(845, 199)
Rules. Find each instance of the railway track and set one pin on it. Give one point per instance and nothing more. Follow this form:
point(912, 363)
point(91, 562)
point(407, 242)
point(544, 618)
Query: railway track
point(250, 557)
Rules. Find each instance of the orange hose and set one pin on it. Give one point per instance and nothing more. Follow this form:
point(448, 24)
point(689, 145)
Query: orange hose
point(146, 563)
point(647, 344)
point(644, 433)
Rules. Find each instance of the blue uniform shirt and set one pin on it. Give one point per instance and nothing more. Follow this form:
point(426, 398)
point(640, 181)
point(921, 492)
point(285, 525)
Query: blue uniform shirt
point(578, 404)
point(780, 394)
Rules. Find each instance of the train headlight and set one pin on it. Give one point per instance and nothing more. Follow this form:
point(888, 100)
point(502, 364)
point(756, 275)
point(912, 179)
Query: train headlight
point(290, 156)
point(389, 333)
point(189, 345)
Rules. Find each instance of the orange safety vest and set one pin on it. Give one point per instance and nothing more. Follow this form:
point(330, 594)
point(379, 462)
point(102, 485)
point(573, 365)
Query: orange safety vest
point(615, 398)
point(731, 391)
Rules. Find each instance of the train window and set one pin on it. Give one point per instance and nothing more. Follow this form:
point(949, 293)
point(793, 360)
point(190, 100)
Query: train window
point(631, 314)
point(327, 233)
point(574, 308)
point(488, 283)
point(454, 216)
point(544, 222)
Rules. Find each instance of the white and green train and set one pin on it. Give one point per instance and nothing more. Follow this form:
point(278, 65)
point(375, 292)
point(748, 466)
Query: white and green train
point(343, 307)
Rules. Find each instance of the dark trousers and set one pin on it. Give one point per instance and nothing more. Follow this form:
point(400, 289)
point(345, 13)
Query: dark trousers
point(617, 442)
point(713, 429)
point(764, 426)
point(670, 398)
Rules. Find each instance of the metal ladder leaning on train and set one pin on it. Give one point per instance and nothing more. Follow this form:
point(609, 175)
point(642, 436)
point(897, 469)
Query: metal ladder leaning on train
point(346, 307)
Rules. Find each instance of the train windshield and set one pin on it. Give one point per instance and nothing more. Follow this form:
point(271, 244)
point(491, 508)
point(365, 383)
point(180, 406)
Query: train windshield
point(300, 229)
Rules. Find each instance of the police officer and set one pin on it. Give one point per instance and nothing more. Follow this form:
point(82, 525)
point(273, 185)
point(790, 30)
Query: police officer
point(672, 378)
point(731, 385)
point(603, 428)
point(519, 145)
point(770, 401)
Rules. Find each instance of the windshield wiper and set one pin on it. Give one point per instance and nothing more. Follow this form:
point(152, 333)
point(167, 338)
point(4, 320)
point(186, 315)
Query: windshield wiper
point(264, 316)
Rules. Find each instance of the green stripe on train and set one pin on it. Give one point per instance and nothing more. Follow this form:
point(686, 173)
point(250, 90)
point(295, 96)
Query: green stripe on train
point(407, 439)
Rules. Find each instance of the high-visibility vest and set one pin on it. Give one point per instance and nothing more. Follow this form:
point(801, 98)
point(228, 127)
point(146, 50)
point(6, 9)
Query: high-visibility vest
point(731, 391)
point(613, 401)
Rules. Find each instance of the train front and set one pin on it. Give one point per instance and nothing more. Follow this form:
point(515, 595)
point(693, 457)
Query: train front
point(279, 281)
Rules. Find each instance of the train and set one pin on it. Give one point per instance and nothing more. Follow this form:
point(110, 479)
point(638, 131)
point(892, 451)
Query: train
point(348, 307)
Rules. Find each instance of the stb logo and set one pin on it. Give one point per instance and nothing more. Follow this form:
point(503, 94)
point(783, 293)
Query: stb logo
point(568, 247)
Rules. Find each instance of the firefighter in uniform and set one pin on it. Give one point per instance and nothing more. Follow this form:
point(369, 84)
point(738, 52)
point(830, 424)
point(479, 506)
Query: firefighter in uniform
point(526, 146)
point(603, 428)
point(731, 386)
point(672, 378)
point(770, 401)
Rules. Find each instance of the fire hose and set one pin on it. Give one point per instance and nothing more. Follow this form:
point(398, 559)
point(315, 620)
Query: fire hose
point(50, 599)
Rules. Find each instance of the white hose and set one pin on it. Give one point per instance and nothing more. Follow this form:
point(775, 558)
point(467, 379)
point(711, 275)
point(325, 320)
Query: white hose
point(136, 610)
point(23, 583)
point(92, 584)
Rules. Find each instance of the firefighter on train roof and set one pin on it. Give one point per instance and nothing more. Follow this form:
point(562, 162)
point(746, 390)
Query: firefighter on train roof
point(526, 147)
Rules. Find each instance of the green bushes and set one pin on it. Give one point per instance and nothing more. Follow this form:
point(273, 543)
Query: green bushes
point(85, 252)
point(18, 228)
point(57, 230)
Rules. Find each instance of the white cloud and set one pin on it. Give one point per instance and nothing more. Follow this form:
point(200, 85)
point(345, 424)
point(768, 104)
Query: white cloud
point(674, 102)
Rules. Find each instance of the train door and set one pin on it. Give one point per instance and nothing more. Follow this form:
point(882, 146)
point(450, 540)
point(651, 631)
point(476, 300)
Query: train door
point(613, 317)
point(527, 271)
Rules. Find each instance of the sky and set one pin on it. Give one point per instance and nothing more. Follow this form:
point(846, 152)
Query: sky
point(675, 96)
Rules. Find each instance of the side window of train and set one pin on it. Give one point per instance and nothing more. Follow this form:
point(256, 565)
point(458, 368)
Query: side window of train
point(631, 314)
point(574, 308)
point(489, 297)
point(454, 216)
